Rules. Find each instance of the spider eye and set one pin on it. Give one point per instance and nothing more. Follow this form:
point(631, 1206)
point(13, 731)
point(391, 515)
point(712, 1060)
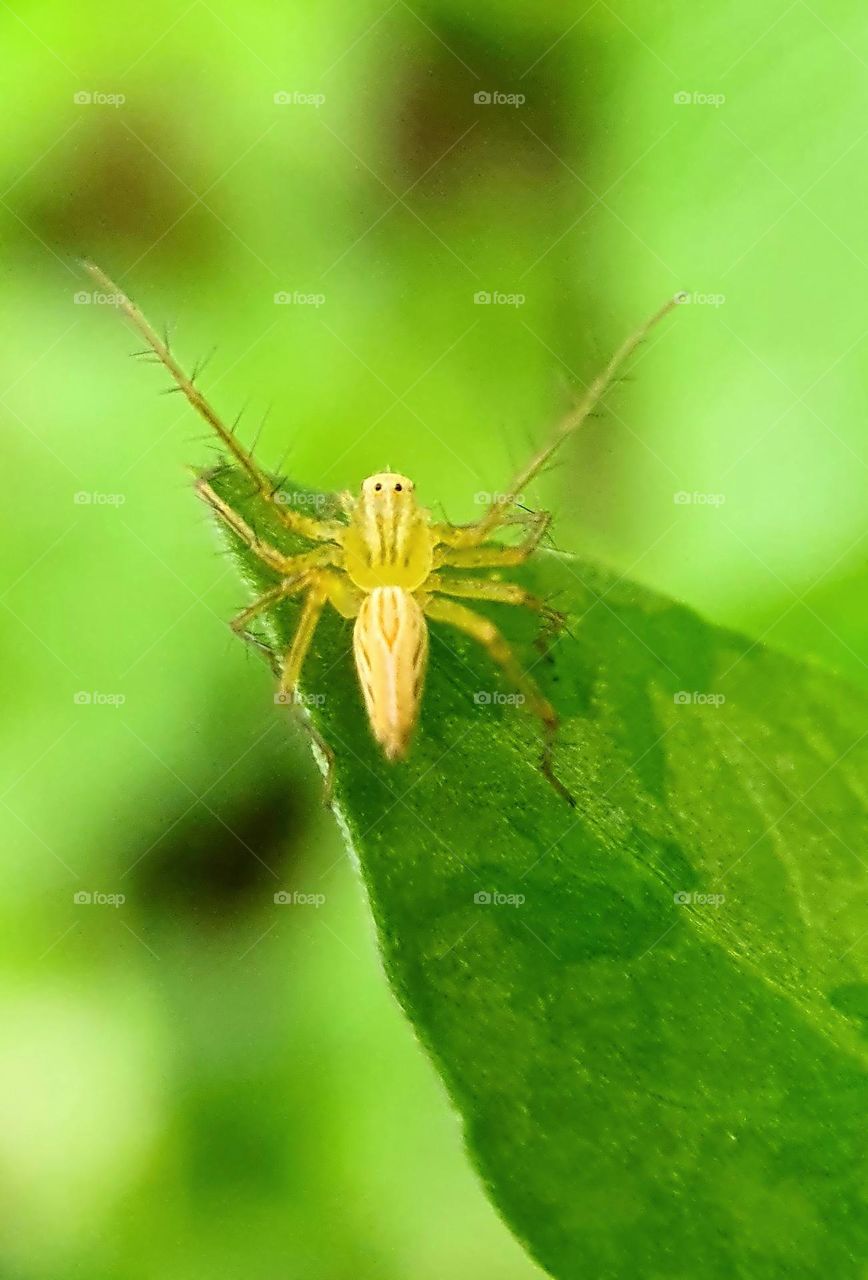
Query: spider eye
point(378, 486)
point(397, 488)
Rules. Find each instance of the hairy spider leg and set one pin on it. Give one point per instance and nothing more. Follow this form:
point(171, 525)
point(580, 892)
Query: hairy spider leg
point(298, 522)
point(472, 535)
point(485, 633)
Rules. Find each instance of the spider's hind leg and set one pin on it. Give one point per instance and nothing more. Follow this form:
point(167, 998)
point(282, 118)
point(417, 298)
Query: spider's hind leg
point(484, 632)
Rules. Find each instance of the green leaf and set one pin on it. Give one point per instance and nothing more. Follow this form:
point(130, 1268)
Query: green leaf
point(651, 1011)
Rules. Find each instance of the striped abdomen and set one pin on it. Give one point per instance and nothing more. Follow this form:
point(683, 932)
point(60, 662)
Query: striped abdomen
point(390, 643)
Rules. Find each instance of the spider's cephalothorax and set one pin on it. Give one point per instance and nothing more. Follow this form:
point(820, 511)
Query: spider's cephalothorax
point(389, 540)
point(387, 566)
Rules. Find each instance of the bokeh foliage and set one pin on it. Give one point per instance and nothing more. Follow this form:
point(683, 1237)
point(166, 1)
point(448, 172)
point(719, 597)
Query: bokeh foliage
point(198, 1080)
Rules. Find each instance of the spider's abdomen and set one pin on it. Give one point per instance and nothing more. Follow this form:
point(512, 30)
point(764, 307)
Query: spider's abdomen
point(390, 644)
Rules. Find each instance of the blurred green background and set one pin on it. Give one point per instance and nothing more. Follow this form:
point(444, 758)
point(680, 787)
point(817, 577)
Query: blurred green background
point(200, 1082)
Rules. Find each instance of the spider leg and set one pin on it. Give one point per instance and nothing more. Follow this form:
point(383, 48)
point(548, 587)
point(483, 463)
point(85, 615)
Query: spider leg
point(486, 633)
point(323, 588)
point(284, 589)
point(490, 589)
point(463, 549)
point(306, 526)
point(499, 508)
point(292, 664)
point(282, 564)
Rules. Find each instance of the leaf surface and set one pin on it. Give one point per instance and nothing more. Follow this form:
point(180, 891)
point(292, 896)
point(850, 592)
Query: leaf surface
point(650, 1010)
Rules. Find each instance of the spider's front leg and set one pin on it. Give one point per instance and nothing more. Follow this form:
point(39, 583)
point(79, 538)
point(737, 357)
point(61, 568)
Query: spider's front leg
point(462, 544)
point(304, 525)
point(283, 564)
point(484, 632)
point(474, 535)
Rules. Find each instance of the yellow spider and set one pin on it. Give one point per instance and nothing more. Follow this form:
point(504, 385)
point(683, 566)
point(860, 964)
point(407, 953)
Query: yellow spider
point(386, 565)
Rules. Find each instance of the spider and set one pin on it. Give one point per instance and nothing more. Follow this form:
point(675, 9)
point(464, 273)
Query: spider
point(387, 565)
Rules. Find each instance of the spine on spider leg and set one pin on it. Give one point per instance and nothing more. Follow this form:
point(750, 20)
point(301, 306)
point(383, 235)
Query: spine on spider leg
point(576, 417)
point(186, 385)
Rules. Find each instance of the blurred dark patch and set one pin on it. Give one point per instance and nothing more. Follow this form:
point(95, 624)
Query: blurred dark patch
point(108, 189)
point(231, 1139)
point(436, 104)
point(228, 851)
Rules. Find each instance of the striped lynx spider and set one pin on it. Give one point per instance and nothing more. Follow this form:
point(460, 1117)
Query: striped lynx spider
point(387, 565)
